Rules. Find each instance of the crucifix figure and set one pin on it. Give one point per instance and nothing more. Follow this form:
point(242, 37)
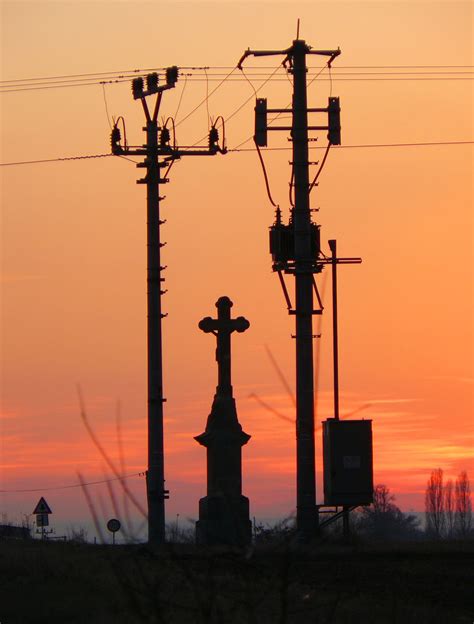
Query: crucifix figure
point(224, 512)
point(222, 328)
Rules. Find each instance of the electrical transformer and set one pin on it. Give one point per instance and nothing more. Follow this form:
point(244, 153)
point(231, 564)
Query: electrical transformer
point(348, 465)
point(282, 241)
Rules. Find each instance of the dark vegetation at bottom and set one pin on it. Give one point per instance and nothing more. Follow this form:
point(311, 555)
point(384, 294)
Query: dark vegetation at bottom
point(321, 584)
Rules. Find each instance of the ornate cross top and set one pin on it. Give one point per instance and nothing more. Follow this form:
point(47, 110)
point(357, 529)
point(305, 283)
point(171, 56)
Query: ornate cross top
point(222, 328)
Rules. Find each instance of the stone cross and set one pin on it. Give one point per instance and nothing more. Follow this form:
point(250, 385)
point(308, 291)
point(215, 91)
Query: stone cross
point(224, 516)
point(222, 328)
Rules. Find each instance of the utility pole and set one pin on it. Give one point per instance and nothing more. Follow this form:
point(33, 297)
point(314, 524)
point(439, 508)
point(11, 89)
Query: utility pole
point(296, 250)
point(306, 475)
point(158, 144)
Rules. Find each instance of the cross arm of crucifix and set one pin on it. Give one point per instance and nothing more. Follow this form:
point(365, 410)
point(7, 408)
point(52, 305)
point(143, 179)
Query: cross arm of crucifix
point(214, 326)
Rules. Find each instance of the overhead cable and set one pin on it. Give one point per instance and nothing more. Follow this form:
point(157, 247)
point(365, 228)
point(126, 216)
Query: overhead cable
point(329, 145)
point(48, 160)
point(208, 95)
point(226, 67)
point(267, 184)
point(72, 485)
point(252, 149)
point(338, 147)
point(246, 101)
point(15, 87)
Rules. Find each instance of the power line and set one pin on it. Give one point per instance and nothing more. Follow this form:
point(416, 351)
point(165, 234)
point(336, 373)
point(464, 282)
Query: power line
point(92, 74)
point(334, 79)
point(205, 100)
point(338, 147)
point(5, 89)
point(180, 98)
point(18, 85)
point(311, 67)
point(256, 72)
point(279, 115)
point(262, 75)
point(49, 160)
point(209, 67)
point(106, 107)
point(62, 86)
point(36, 83)
point(252, 149)
point(402, 66)
point(74, 485)
point(246, 101)
point(265, 175)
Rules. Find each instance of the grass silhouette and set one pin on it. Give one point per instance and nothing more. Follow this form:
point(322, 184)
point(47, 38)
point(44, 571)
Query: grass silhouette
point(272, 582)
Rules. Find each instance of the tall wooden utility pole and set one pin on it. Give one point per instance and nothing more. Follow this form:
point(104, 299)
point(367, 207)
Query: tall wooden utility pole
point(158, 143)
point(295, 248)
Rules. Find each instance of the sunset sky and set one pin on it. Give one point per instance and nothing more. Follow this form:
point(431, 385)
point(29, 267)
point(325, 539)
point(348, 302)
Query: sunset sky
point(74, 243)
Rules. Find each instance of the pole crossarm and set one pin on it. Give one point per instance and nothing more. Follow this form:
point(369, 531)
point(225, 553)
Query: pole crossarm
point(336, 514)
point(289, 52)
point(250, 52)
point(314, 267)
point(340, 261)
point(290, 128)
point(331, 53)
point(174, 154)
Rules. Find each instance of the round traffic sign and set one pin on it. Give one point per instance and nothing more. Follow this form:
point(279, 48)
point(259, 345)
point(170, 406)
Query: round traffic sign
point(113, 525)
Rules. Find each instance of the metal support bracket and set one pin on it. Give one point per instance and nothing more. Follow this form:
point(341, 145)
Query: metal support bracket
point(285, 292)
point(336, 516)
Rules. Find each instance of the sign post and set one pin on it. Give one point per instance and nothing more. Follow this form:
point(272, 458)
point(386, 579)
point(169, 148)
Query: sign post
point(113, 525)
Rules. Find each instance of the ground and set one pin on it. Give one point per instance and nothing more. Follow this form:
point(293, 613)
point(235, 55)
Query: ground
point(274, 584)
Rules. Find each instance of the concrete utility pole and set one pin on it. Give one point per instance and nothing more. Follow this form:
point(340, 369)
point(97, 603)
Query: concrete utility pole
point(306, 475)
point(295, 248)
point(158, 143)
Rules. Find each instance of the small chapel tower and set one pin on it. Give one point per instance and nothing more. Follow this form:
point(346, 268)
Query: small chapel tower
point(224, 512)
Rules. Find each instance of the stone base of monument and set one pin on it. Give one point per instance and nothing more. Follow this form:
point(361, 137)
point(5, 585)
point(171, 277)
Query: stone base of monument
point(224, 521)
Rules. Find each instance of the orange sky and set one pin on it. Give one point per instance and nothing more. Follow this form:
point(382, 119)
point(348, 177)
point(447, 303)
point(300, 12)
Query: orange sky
point(73, 263)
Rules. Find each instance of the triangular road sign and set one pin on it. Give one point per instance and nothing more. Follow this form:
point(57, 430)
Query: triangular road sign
point(42, 507)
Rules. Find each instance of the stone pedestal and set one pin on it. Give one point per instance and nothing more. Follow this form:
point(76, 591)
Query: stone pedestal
point(224, 512)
